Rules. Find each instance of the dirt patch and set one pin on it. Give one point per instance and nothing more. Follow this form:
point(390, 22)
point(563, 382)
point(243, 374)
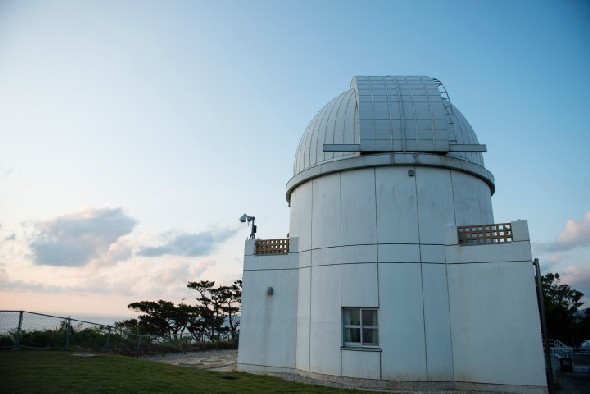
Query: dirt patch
point(214, 360)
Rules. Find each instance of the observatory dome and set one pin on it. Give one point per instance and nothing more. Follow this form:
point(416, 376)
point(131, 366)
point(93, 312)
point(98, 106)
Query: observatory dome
point(389, 115)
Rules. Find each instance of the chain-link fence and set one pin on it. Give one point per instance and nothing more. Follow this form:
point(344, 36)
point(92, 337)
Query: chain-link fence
point(20, 329)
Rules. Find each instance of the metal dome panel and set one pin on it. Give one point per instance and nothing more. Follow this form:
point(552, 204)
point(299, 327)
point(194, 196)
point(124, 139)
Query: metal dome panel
point(388, 114)
point(402, 114)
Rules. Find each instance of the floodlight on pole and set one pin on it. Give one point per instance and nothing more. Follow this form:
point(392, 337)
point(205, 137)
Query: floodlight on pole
point(247, 219)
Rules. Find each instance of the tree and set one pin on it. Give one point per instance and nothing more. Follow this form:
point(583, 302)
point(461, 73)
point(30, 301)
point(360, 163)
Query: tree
point(230, 298)
point(582, 331)
point(127, 327)
point(215, 305)
point(561, 308)
point(163, 318)
point(215, 315)
point(209, 308)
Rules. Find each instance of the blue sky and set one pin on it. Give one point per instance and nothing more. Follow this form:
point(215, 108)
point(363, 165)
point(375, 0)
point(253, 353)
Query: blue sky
point(134, 134)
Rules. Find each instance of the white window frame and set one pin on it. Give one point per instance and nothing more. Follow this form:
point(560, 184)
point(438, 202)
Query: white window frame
point(361, 327)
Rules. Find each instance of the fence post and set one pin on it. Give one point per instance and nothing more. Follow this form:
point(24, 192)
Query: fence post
point(67, 334)
point(108, 339)
point(20, 325)
point(544, 330)
point(138, 343)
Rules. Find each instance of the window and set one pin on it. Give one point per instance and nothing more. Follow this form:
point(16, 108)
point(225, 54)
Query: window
point(360, 327)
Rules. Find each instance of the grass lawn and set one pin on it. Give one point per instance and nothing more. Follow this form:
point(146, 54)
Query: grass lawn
point(25, 371)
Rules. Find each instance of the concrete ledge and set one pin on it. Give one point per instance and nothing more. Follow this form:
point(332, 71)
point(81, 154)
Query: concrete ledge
point(399, 253)
point(451, 235)
point(264, 369)
point(250, 247)
point(346, 254)
point(520, 231)
point(500, 388)
point(489, 253)
point(271, 262)
point(390, 159)
point(411, 386)
point(432, 254)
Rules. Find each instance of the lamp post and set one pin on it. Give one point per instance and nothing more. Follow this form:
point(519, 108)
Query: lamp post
point(247, 219)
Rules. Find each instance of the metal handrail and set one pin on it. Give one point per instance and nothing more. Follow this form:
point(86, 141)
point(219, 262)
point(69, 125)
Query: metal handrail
point(559, 349)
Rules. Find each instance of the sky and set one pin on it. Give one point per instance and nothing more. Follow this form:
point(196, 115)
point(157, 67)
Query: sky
point(134, 134)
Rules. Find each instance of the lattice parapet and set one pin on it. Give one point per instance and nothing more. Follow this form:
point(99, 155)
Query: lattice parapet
point(481, 234)
point(272, 246)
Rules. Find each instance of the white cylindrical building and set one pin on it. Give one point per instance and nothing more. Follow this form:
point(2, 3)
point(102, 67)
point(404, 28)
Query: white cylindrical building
point(380, 288)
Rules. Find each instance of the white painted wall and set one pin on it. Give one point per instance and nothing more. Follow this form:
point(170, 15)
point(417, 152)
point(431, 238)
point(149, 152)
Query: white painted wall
point(396, 204)
point(361, 364)
point(357, 207)
point(436, 207)
point(325, 218)
point(437, 326)
point(303, 319)
point(326, 316)
point(379, 237)
point(360, 286)
point(268, 329)
point(496, 338)
point(381, 215)
point(494, 313)
point(402, 322)
point(300, 220)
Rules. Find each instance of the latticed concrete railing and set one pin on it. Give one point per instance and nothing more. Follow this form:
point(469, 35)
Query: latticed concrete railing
point(272, 246)
point(479, 234)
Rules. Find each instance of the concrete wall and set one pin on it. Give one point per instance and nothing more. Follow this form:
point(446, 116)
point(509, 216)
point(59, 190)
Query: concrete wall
point(386, 205)
point(374, 237)
point(268, 328)
point(494, 313)
point(386, 238)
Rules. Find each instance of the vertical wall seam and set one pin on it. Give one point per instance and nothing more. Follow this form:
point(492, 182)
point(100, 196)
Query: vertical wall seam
point(377, 268)
point(453, 197)
point(447, 276)
point(376, 236)
point(450, 316)
point(421, 271)
point(310, 281)
point(478, 193)
point(340, 270)
point(424, 316)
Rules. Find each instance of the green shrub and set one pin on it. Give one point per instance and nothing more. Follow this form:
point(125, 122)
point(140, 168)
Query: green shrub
point(7, 340)
point(53, 339)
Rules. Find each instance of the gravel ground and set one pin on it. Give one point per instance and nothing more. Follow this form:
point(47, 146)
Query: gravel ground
point(225, 360)
point(215, 360)
point(305, 380)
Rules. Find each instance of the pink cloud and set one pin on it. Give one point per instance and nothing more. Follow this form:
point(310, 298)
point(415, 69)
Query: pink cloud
point(75, 239)
point(575, 234)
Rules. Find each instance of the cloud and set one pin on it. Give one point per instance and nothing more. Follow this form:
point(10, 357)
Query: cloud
point(121, 250)
point(76, 239)
point(170, 279)
point(10, 237)
point(7, 283)
point(575, 234)
point(189, 245)
point(5, 171)
point(165, 278)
